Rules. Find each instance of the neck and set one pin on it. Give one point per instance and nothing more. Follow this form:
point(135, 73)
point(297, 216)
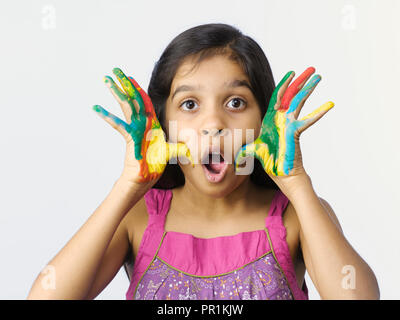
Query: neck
point(242, 199)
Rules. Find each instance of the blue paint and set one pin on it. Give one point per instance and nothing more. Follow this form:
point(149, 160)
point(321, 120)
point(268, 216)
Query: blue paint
point(304, 92)
point(290, 145)
point(104, 113)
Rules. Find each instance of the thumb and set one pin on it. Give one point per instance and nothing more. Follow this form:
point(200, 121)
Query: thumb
point(314, 116)
point(244, 152)
point(179, 150)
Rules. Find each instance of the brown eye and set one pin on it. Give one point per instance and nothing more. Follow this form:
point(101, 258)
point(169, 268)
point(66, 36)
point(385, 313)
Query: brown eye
point(237, 103)
point(188, 105)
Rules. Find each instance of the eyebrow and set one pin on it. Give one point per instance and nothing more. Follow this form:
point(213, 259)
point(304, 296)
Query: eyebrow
point(232, 84)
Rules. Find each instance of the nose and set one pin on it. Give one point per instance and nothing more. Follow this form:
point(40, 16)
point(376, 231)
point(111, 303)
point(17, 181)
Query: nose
point(213, 123)
point(213, 132)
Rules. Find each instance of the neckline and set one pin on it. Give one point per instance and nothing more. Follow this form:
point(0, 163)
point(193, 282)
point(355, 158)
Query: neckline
point(195, 238)
point(264, 230)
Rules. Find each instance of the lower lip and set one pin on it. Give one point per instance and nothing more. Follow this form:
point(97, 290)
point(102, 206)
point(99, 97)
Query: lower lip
point(215, 177)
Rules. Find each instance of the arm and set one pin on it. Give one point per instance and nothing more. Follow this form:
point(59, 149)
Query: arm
point(96, 252)
point(325, 249)
point(113, 258)
point(77, 264)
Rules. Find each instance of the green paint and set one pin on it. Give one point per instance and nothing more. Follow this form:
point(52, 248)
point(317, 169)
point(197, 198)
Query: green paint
point(269, 133)
point(131, 92)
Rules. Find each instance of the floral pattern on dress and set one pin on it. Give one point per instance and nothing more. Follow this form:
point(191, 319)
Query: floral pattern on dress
point(260, 280)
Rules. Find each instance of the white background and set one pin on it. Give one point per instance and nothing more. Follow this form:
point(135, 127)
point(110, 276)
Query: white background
point(59, 159)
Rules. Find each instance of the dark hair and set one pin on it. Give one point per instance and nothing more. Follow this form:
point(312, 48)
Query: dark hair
point(205, 41)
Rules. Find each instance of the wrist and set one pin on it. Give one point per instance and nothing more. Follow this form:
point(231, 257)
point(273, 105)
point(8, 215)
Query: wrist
point(126, 185)
point(125, 194)
point(295, 186)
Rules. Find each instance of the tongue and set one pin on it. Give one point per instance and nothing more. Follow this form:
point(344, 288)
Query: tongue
point(216, 167)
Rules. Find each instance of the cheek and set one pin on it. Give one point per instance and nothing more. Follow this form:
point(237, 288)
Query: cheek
point(169, 123)
point(178, 131)
point(171, 127)
point(248, 131)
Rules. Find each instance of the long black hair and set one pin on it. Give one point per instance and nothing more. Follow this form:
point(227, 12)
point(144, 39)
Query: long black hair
point(204, 41)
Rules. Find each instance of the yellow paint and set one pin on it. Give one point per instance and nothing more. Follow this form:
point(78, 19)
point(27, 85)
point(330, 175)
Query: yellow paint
point(324, 107)
point(280, 122)
point(159, 152)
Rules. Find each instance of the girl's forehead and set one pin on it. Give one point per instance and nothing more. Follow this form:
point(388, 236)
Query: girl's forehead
point(213, 72)
point(217, 68)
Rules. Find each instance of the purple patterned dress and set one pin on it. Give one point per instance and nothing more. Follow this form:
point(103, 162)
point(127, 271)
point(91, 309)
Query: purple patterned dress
point(253, 265)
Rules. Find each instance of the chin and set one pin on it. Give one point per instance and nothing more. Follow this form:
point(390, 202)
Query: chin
point(214, 188)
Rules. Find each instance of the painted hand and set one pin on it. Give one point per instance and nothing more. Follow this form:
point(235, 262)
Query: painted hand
point(147, 150)
point(277, 147)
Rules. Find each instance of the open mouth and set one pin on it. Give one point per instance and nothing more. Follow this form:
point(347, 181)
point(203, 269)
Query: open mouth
point(215, 168)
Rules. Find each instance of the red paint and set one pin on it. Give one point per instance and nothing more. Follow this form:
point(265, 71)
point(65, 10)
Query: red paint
point(295, 87)
point(150, 116)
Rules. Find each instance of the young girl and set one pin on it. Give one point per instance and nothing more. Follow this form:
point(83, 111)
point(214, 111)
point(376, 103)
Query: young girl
point(190, 217)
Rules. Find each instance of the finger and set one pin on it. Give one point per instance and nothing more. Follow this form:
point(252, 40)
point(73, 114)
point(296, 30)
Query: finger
point(293, 132)
point(295, 87)
point(155, 150)
point(291, 139)
point(314, 116)
point(125, 83)
point(125, 103)
point(130, 90)
point(113, 120)
point(275, 101)
point(178, 150)
point(298, 101)
point(244, 152)
point(148, 104)
point(266, 157)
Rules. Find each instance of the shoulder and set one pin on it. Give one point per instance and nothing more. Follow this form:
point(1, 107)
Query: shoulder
point(292, 222)
point(136, 218)
point(138, 210)
point(292, 225)
point(290, 210)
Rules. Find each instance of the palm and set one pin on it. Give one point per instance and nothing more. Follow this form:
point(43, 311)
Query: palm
point(277, 146)
point(147, 150)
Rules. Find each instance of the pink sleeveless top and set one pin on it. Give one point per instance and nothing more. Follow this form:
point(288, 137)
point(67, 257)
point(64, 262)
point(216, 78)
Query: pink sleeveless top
point(250, 265)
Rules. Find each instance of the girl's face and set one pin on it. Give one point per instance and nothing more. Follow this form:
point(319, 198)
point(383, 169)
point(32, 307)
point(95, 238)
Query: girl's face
point(208, 107)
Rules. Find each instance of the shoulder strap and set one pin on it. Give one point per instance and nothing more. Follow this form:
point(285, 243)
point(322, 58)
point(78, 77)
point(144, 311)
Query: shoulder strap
point(277, 236)
point(278, 204)
point(158, 203)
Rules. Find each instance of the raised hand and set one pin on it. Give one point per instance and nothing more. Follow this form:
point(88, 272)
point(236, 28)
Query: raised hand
point(147, 150)
point(277, 147)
